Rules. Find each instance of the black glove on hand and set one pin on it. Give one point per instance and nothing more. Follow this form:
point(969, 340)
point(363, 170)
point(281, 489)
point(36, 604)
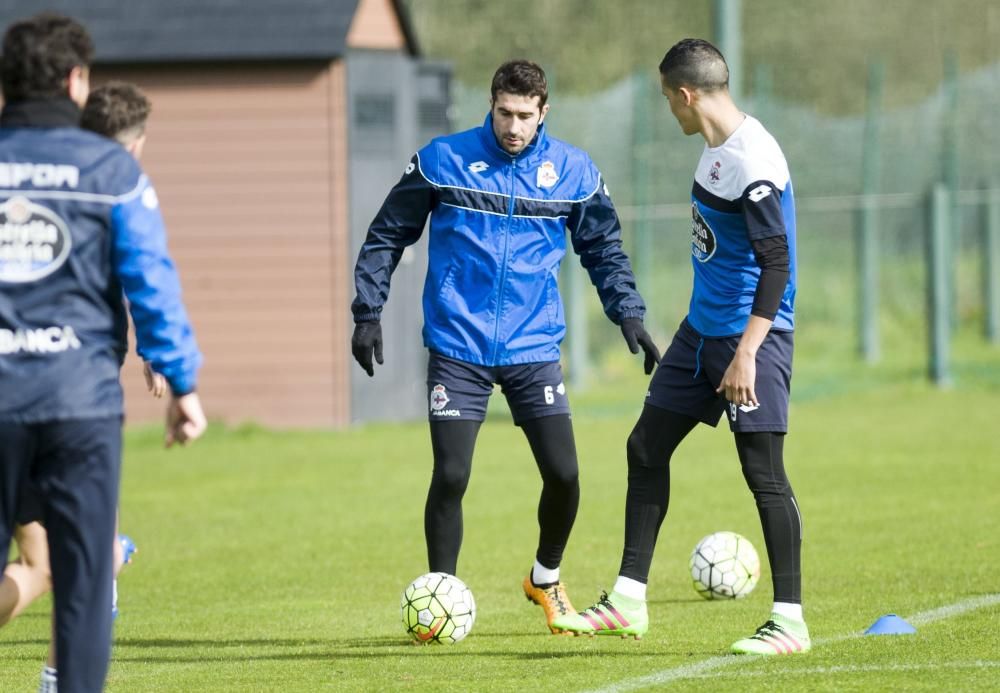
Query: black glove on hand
point(636, 336)
point(367, 338)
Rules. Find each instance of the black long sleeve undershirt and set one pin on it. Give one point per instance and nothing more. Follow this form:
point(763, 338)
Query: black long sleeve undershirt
point(772, 256)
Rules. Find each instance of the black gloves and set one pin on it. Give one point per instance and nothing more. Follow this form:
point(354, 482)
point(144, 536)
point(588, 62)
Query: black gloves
point(367, 338)
point(635, 336)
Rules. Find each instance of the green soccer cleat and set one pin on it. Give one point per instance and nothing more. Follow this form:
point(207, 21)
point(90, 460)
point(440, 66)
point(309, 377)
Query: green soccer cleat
point(611, 615)
point(779, 636)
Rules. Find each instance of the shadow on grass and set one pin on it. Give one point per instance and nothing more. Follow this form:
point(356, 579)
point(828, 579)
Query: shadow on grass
point(316, 649)
point(207, 642)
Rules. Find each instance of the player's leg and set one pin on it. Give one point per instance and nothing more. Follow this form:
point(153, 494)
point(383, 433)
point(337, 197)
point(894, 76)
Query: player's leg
point(554, 450)
point(28, 576)
point(124, 549)
point(17, 451)
point(77, 473)
point(761, 457)
point(453, 443)
point(649, 450)
point(537, 398)
point(552, 444)
point(650, 446)
point(760, 434)
point(679, 397)
point(458, 393)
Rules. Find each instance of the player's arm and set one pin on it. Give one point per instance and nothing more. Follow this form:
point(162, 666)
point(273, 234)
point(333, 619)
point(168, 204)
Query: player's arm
point(398, 224)
point(163, 331)
point(596, 235)
point(761, 203)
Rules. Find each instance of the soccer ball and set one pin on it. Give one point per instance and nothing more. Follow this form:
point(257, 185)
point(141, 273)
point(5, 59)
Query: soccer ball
point(725, 565)
point(439, 608)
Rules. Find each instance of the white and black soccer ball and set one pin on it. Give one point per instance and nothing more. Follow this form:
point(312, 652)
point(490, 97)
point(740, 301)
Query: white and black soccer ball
point(725, 565)
point(438, 608)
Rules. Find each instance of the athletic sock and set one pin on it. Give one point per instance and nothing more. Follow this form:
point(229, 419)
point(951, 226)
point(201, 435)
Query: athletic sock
point(789, 611)
point(49, 681)
point(542, 576)
point(633, 589)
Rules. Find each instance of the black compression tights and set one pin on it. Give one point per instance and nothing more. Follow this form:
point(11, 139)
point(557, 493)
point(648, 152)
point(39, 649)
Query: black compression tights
point(551, 441)
point(761, 455)
point(650, 446)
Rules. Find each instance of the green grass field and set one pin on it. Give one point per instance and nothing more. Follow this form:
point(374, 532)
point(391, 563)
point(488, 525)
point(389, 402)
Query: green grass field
point(274, 561)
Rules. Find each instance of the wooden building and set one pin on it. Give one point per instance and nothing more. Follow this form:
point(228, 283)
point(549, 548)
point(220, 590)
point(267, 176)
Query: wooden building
point(277, 129)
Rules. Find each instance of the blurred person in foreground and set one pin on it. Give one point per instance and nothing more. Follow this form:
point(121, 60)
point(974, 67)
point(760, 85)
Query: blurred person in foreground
point(731, 354)
point(81, 224)
point(502, 199)
point(119, 111)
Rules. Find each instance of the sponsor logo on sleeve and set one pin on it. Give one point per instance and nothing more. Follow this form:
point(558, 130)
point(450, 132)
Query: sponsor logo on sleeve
point(34, 241)
point(759, 193)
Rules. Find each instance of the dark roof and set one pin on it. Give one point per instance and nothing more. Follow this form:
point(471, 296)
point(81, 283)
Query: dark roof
point(154, 31)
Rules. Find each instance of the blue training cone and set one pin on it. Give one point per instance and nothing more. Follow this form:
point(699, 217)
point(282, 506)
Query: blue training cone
point(890, 624)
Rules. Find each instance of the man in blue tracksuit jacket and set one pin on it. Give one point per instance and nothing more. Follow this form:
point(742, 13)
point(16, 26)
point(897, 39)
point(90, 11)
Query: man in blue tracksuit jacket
point(501, 199)
point(79, 224)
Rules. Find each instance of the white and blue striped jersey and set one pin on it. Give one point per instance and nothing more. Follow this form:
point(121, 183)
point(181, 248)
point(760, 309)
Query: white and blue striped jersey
point(742, 194)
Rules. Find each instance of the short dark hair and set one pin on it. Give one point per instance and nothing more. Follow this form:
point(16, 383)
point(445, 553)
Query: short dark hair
point(695, 63)
point(522, 78)
point(39, 53)
point(116, 110)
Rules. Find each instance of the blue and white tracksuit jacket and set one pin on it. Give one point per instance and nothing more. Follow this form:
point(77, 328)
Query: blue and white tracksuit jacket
point(497, 236)
point(80, 223)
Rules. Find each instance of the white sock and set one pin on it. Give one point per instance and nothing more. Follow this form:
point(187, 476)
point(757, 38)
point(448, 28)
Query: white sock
point(789, 611)
point(632, 589)
point(540, 575)
point(114, 593)
point(49, 681)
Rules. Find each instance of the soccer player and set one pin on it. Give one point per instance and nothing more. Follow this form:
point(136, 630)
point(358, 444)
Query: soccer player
point(80, 224)
point(501, 198)
point(732, 354)
point(119, 111)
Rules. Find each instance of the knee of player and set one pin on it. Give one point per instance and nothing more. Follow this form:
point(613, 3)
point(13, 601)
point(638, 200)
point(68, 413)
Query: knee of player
point(638, 453)
point(451, 481)
point(566, 477)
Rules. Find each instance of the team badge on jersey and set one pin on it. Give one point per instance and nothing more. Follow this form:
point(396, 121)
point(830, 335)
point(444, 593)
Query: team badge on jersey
point(546, 176)
point(714, 173)
point(34, 241)
point(702, 237)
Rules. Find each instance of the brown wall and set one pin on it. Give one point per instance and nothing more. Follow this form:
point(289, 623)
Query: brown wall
point(249, 163)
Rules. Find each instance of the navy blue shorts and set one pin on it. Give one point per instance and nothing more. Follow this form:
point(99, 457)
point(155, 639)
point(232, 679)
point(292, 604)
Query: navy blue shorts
point(459, 391)
point(692, 369)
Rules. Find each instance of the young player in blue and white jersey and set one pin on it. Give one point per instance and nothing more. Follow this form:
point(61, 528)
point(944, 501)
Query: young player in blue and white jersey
point(502, 199)
point(731, 355)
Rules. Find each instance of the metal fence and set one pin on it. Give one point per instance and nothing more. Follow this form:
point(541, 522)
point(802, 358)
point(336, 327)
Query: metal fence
point(869, 285)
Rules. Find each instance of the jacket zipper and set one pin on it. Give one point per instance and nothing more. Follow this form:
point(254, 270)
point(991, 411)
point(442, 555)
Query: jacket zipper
point(503, 267)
